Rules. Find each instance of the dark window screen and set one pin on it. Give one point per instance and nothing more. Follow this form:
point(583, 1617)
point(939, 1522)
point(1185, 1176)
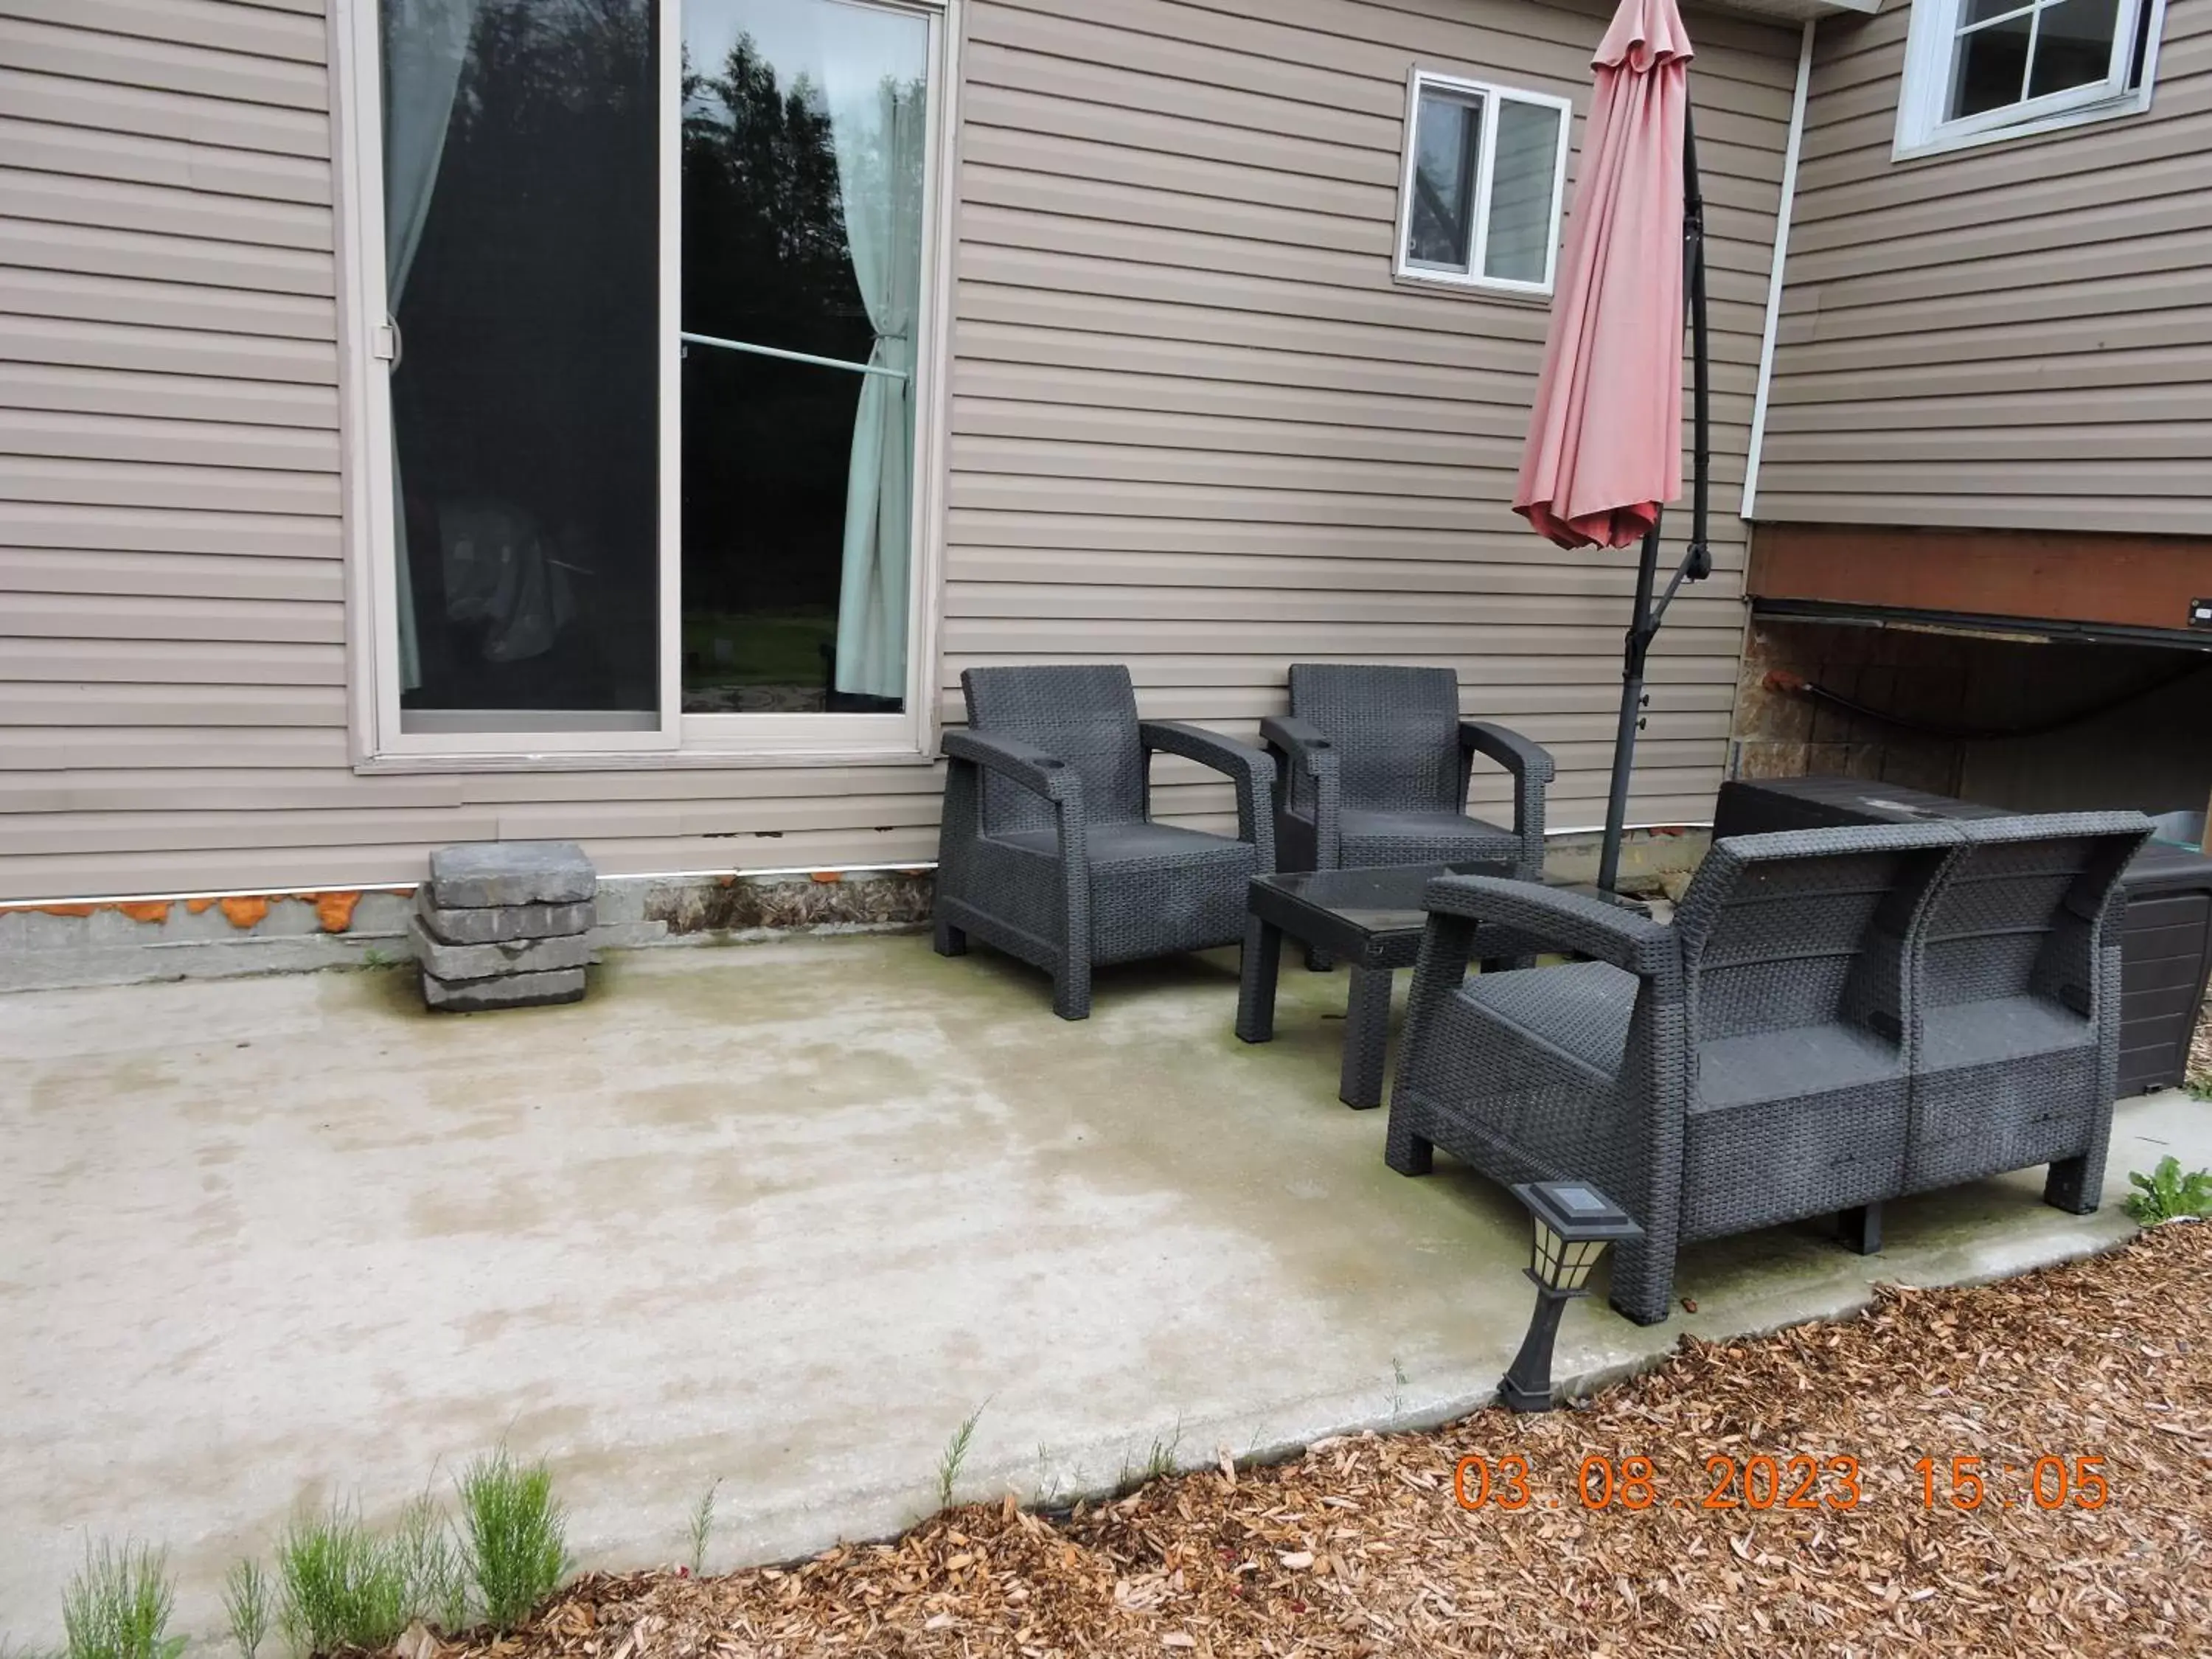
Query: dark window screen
point(521, 190)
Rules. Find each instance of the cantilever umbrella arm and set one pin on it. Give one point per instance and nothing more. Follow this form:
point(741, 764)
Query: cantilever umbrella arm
point(1698, 560)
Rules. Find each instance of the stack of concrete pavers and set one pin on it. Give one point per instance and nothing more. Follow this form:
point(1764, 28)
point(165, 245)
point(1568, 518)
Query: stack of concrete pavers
point(505, 924)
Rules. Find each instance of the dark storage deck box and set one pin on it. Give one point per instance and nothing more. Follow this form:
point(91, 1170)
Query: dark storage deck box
point(2166, 945)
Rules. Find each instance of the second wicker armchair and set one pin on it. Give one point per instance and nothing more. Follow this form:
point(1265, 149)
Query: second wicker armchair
point(1373, 765)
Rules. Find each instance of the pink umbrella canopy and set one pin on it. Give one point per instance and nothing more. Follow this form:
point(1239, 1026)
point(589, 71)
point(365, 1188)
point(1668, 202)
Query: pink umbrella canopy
point(1605, 441)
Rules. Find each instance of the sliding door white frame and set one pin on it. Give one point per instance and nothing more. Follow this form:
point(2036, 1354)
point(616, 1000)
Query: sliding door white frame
point(552, 739)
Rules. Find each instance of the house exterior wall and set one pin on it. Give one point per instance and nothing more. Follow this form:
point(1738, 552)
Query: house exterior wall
point(2012, 336)
point(1196, 426)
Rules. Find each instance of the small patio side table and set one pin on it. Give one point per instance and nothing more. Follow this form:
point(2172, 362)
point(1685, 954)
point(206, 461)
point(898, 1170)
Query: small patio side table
point(1373, 920)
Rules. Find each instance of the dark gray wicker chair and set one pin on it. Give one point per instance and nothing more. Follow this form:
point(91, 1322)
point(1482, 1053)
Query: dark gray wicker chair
point(1747, 1064)
point(1372, 769)
point(2017, 1028)
point(1048, 850)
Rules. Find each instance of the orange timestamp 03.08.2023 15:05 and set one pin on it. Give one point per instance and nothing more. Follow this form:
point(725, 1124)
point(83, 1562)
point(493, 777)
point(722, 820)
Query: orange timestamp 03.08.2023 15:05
point(1761, 1481)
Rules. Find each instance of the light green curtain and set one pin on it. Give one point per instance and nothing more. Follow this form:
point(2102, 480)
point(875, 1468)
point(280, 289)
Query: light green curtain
point(426, 45)
point(878, 129)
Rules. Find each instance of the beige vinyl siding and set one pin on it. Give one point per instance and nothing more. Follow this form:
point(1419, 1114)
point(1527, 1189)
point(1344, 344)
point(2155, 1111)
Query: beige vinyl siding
point(1196, 427)
point(2013, 336)
point(1200, 429)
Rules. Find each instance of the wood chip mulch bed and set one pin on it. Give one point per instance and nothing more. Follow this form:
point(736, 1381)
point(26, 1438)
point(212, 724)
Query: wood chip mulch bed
point(1358, 1548)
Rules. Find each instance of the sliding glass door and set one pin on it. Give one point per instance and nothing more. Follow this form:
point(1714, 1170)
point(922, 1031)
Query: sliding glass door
point(806, 146)
point(657, 277)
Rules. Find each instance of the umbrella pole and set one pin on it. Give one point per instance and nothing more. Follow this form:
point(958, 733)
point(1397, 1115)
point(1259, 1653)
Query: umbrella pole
point(1698, 560)
point(1631, 713)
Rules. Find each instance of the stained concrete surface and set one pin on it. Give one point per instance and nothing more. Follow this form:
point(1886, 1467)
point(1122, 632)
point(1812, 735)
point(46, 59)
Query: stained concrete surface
point(780, 1215)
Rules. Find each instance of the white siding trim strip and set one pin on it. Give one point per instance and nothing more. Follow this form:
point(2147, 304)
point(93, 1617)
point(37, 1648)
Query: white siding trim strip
point(1774, 282)
point(909, 867)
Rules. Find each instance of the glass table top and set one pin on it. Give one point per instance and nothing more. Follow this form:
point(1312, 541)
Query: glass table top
point(1387, 899)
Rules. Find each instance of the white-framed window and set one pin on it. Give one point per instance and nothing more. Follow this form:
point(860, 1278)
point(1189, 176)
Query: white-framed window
point(1979, 71)
point(1485, 173)
point(645, 306)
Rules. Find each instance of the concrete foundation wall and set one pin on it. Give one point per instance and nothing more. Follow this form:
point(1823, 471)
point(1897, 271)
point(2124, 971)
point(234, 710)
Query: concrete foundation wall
point(51, 947)
point(45, 947)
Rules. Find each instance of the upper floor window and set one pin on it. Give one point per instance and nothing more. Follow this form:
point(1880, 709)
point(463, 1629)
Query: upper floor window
point(1486, 169)
point(1977, 70)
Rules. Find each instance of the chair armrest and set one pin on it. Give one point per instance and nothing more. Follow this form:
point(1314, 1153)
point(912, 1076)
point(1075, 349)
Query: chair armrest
point(1532, 768)
point(1209, 749)
point(1529, 762)
point(1306, 790)
point(1037, 771)
point(1252, 770)
point(1563, 921)
point(1298, 740)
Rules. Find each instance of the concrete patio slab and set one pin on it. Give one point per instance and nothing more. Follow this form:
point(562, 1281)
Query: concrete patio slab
point(783, 1216)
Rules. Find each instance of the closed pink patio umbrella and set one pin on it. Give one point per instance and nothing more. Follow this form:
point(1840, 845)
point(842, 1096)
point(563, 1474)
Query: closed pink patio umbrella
point(1605, 439)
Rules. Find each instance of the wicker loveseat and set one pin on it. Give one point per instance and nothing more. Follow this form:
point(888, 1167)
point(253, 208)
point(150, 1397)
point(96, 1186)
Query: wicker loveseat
point(2016, 1025)
point(1834, 1017)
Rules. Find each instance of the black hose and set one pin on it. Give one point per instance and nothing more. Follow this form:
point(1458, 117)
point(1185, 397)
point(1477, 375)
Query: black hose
point(1782, 680)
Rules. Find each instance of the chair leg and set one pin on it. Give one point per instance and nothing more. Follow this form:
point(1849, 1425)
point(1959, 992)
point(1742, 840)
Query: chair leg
point(1319, 961)
point(948, 940)
point(2066, 1187)
point(1860, 1229)
point(1404, 1150)
point(1071, 991)
point(1642, 1284)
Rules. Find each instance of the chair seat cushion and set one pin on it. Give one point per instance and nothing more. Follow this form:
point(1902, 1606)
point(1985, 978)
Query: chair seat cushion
point(1790, 1065)
point(1415, 837)
point(2000, 1029)
point(1156, 889)
point(1578, 1009)
point(1114, 845)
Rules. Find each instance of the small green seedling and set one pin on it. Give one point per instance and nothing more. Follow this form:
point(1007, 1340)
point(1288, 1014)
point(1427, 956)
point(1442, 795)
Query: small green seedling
point(247, 1598)
point(956, 1454)
point(1160, 1462)
point(2167, 1194)
point(703, 1526)
point(1047, 1483)
point(514, 1536)
point(430, 1564)
point(344, 1587)
point(119, 1606)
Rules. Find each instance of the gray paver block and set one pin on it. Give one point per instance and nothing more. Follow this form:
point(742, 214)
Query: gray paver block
point(521, 956)
point(487, 872)
point(496, 924)
point(471, 996)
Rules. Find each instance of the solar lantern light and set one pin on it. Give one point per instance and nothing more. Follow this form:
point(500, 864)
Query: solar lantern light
point(1574, 1222)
